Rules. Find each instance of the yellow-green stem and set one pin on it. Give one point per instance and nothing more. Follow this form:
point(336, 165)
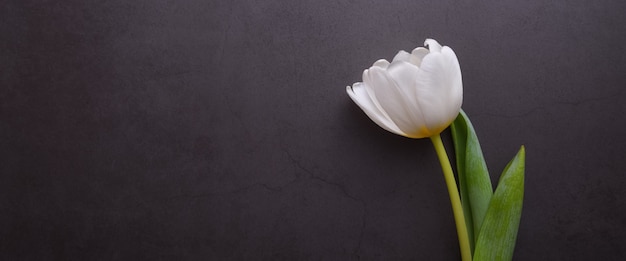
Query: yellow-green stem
point(455, 199)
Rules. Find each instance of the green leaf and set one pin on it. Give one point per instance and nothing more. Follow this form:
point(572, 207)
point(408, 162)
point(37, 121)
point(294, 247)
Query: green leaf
point(496, 240)
point(474, 182)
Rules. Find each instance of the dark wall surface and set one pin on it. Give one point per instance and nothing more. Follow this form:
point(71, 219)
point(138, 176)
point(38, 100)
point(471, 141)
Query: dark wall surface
point(221, 130)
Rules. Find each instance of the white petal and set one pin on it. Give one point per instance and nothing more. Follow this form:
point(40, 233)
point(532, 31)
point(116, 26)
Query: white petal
point(454, 84)
point(417, 55)
point(401, 56)
point(392, 99)
point(405, 75)
point(455, 81)
point(382, 63)
point(433, 45)
point(371, 94)
point(438, 91)
point(359, 95)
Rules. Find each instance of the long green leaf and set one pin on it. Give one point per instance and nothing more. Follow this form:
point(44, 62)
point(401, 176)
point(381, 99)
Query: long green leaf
point(474, 182)
point(458, 128)
point(496, 240)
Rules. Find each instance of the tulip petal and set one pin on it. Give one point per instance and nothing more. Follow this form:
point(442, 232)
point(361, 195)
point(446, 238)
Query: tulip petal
point(390, 99)
point(455, 81)
point(394, 101)
point(404, 75)
point(370, 91)
point(382, 63)
point(401, 56)
point(417, 55)
point(358, 93)
point(454, 75)
point(438, 89)
point(433, 45)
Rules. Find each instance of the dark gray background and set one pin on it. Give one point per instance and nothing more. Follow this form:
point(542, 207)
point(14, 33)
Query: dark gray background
point(221, 130)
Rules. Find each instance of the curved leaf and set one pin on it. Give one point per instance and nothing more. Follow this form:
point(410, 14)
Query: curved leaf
point(496, 240)
point(474, 182)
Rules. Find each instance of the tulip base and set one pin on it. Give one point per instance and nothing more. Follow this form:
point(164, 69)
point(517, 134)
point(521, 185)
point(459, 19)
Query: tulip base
point(455, 199)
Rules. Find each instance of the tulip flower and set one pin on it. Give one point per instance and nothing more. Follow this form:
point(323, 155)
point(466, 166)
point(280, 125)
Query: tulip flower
point(417, 95)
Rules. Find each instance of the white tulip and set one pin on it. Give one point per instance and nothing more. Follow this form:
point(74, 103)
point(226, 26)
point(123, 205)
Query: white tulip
point(417, 95)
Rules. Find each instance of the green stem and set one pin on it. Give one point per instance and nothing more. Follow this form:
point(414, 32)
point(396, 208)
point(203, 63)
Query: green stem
point(455, 199)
